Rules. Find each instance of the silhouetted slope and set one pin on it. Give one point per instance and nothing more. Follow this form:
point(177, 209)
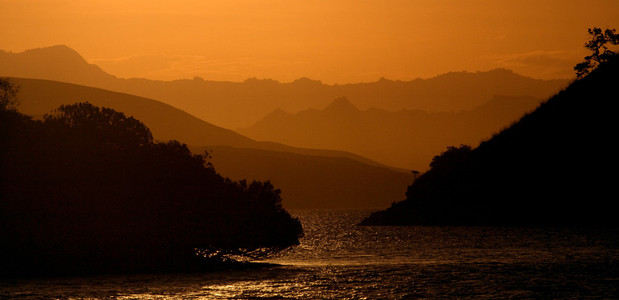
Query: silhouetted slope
point(166, 122)
point(407, 138)
point(450, 92)
point(240, 104)
point(314, 181)
point(554, 166)
point(59, 63)
point(41, 96)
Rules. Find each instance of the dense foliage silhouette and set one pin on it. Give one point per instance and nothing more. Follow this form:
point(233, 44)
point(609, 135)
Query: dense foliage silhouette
point(554, 166)
point(87, 189)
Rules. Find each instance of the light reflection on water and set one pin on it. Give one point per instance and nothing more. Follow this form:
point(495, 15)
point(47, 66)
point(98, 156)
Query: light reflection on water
point(338, 260)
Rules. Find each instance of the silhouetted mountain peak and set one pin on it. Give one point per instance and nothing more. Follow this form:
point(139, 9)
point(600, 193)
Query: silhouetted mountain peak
point(59, 52)
point(278, 115)
point(256, 81)
point(53, 63)
point(304, 81)
point(383, 79)
point(494, 73)
point(279, 112)
point(501, 71)
point(341, 104)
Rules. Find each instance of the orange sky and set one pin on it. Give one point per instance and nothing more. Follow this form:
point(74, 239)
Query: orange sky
point(336, 41)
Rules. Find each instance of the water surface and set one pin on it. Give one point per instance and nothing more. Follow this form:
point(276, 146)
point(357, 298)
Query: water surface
point(339, 260)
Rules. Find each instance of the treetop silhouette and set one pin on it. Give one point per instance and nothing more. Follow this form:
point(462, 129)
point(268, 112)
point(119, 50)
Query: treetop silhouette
point(108, 125)
point(599, 46)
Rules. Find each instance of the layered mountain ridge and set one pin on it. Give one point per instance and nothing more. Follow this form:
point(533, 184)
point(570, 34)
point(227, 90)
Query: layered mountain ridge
point(241, 104)
point(236, 156)
point(406, 139)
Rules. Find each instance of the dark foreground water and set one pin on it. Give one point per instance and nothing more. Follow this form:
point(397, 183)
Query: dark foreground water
point(338, 260)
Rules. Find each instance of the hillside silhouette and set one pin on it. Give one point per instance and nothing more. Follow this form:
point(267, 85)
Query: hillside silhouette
point(168, 123)
point(87, 189)
point(406, 139)
point(59, 63)
point(554, 166)
point(241, 104)
point(314, 182)
point(165, 121)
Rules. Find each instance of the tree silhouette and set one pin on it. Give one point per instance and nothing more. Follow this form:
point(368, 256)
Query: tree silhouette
point(415, 174)
point(599, 47)
point(8, 94)
point(453, 155)
point(109, 126)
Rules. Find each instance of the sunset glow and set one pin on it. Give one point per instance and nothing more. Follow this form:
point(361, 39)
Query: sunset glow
point(267, 149)
point(332, 41)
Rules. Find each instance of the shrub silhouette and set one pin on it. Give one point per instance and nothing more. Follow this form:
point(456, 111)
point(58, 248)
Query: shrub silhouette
point(88, 189)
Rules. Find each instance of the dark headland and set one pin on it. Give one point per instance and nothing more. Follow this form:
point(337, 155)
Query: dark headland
point(555, 166)
point(88, 190)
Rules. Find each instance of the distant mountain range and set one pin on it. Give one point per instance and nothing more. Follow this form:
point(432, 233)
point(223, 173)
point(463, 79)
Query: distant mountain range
point(407, 139)
point(241, 104)
point(555, 166)
point(308, 178)
point(455, 105)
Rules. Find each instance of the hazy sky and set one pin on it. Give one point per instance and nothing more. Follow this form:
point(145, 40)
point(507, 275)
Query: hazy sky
point(336, 41)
